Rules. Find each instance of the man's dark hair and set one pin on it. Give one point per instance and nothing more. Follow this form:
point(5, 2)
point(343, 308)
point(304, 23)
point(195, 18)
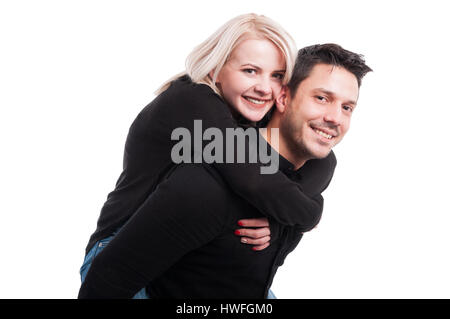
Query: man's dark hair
point(329, 53)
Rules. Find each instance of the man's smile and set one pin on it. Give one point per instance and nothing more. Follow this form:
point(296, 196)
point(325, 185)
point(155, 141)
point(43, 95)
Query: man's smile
point(324, 133)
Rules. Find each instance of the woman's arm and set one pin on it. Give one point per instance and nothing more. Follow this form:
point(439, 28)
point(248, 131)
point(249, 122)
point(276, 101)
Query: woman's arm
point(313, 181)
point(274, 195)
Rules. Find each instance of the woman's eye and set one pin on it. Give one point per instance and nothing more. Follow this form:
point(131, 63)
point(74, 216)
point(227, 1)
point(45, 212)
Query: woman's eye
point(250, 71)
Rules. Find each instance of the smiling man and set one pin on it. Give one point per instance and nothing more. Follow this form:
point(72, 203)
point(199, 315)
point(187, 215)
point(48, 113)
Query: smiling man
point(180, 242)
point(314, 111)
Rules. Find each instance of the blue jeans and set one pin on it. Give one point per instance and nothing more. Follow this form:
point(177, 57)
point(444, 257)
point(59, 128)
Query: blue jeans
point(98, 247)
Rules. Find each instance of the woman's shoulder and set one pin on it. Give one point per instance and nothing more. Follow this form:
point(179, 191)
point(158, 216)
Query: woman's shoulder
point(183, 89)
point(181, 101)
point(184, 97)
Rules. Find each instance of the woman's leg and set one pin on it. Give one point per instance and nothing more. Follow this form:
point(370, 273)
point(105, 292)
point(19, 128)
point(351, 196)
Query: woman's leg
point(98, 247)
point(271, 295)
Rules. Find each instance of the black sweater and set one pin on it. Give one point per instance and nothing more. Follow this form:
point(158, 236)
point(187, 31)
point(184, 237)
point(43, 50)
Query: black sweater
point(147, 159)
point(180, 243)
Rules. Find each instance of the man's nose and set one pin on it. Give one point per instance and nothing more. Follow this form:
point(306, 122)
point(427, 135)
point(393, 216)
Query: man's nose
point(334, 114)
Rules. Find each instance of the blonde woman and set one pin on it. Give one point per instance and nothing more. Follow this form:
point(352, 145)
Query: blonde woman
point(232, 77)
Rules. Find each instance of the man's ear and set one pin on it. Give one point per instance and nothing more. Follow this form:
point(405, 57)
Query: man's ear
point(282, 100)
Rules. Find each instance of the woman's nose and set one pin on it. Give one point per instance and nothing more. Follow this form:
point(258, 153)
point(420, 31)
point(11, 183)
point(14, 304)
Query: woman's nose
point(263, 87)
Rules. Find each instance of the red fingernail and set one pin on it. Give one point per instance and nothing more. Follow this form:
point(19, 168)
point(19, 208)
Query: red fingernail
point(240, 223)
point(254, 248)
point(237, 232)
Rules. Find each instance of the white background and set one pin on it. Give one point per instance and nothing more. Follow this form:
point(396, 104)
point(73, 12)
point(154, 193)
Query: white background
point(74, 75)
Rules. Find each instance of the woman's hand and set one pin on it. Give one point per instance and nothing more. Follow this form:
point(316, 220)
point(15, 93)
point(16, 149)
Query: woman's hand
point(258, 235)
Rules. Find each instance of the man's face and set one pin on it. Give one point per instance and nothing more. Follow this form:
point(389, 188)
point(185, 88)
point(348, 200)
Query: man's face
point(318, 116)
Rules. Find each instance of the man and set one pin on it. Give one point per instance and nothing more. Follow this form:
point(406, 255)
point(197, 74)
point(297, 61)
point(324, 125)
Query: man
point(181, 245)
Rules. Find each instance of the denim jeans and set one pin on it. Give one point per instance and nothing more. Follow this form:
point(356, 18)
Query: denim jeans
point(271, 295)
point(98, 247)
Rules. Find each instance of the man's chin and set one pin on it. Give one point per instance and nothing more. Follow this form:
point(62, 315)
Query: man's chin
point(318, 154)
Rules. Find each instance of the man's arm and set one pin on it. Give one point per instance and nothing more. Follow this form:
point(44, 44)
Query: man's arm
point(186, 211)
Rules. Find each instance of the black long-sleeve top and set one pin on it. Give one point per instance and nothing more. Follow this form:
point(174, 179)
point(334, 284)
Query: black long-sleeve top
point(147, 158)
point(181, 244)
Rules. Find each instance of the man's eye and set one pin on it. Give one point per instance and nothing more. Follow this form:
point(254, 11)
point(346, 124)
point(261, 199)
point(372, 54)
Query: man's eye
point(321, 98)
point(278, 76)
point(348, 108)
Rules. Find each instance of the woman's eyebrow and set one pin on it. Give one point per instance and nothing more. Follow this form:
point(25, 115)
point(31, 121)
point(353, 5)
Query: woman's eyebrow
point(252, 65)
point(258, 68)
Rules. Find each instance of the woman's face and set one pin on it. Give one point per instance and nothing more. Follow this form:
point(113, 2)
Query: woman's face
point(251, 79)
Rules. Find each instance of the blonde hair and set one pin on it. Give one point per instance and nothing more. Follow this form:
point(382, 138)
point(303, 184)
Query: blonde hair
point(213, 53)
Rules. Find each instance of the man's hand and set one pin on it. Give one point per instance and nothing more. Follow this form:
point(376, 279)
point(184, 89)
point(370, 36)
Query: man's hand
point(258, 236)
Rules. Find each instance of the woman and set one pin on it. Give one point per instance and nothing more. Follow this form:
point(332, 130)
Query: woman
point(234, 76)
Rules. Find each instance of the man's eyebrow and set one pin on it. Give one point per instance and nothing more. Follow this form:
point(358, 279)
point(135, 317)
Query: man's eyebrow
point(332, 94)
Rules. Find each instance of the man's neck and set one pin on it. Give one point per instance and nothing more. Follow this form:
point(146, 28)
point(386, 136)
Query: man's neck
point(281, 148)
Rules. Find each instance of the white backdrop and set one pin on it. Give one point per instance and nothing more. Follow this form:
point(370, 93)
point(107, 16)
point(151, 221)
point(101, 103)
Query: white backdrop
point(74, 75)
